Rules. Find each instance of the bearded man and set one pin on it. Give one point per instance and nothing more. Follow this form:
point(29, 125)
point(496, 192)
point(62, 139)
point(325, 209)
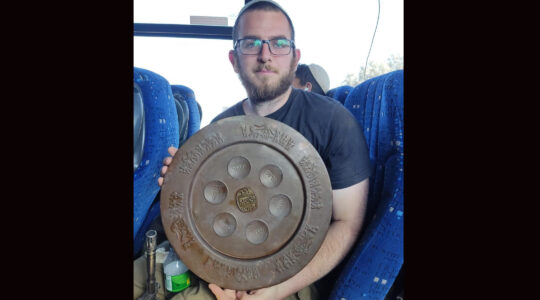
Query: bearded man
point(265, 58)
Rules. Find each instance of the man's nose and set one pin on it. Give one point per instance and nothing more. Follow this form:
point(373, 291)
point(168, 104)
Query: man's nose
point(265, 54)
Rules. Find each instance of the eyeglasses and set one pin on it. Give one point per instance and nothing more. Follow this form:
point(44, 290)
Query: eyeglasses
point(254, 46)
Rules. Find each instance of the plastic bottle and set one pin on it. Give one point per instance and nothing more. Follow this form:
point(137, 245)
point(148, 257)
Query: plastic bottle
point(176, 273)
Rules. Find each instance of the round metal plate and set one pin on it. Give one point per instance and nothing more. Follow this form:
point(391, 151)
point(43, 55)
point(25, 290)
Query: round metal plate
point(246, 202)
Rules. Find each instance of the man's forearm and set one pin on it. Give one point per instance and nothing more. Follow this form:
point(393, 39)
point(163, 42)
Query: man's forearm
point(338, 241)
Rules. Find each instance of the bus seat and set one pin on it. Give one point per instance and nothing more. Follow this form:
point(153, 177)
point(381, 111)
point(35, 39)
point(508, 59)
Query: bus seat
point(155, 129)
point(340, 93)
point(183, 111)
point(188, 123)
point(377, 257)
point(187, 94)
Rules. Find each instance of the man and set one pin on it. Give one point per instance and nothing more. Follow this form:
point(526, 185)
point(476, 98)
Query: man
point(265, 58)
point(311, 78)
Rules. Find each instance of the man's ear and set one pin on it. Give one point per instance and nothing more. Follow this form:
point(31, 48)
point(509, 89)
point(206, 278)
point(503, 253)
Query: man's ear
point(234, 63)
point(309, 86)
point(297, 57)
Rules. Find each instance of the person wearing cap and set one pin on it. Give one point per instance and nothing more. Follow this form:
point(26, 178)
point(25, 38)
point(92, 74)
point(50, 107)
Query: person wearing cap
point(312, 78)
point(265, 58)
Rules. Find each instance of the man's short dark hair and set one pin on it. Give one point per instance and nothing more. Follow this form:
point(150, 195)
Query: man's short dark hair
point(260, 5)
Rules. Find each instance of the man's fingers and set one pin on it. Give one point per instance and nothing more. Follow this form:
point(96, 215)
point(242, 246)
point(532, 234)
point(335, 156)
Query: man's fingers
point(160, 179)
point(172, 150)
point(164, 170)
point(167, 160)
point(240, 294)
point(215, 289)
point(222, 294)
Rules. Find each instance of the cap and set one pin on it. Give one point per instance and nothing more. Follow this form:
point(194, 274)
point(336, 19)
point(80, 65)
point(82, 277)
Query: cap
point(321, 76)
point(250, 3)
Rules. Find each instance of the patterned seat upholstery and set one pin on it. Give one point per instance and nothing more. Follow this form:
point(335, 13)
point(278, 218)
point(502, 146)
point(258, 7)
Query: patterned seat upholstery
point(195, 114)
point(377, 257)
point(186, 96)
point(340, 93)
point(160, 132)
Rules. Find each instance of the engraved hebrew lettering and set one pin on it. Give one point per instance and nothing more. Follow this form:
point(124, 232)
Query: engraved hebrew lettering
point(264, 132)
point(240, 274)
point(176, 204)
point(313, 175)
point(300, 248)
point(189, 158)
point(182, 233)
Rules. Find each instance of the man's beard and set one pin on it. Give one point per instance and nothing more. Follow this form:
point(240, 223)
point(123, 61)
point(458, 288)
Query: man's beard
point(265, 91)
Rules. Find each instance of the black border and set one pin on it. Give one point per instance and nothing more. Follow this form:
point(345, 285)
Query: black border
point(70, 233)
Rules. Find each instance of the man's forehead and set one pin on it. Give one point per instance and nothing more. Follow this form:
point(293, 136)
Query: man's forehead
point(269, 23)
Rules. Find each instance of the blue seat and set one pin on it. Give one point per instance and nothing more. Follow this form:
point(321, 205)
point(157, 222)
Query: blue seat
point(157, 120)
point(377, 257)
point(340, 93)
point(195, 114)
point(183, 117)
point(188, 124)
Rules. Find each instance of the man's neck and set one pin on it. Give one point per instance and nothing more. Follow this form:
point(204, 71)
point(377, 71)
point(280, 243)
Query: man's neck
point(267, 107)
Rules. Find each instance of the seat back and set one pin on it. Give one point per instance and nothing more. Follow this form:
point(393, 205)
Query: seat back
point(340, 93)
point(183, 117)
point(187, 94)
point(188, 112)
point(377, 257)
point(160, 131)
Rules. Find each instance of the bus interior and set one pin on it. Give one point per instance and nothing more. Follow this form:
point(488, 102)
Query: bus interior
point(183, 79)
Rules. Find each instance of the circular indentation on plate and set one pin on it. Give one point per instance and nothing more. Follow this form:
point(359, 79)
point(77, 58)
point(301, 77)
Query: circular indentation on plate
point(215, 192)
point(246, 200)
point(256, 232)
point(271, 176)
point(280, 206)
point(239, 167)
point(224, 224)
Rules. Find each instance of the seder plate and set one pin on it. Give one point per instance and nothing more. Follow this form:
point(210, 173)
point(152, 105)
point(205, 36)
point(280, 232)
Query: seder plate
point(246, 202)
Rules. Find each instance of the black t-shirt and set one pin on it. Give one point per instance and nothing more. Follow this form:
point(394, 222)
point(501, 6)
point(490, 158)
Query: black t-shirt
point(330, 128)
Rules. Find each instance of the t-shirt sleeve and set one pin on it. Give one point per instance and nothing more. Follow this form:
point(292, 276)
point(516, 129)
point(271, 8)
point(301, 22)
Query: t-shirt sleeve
point(347, 156)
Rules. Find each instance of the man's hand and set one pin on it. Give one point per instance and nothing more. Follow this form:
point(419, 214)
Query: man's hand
point(269, 293)
point(222, 294)
point(166, 162)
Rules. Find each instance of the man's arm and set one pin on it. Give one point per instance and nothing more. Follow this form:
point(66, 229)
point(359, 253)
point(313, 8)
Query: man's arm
point(349, 207)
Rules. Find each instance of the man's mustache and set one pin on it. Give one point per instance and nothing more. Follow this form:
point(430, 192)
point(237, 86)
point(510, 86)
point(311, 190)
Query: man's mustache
point(265, 67)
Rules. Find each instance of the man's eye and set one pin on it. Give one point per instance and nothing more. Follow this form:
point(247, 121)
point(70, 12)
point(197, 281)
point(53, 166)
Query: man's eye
point(252, 43)
point(281, 43)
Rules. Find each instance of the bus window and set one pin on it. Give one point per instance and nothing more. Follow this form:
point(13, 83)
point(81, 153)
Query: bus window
point(200, 64)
